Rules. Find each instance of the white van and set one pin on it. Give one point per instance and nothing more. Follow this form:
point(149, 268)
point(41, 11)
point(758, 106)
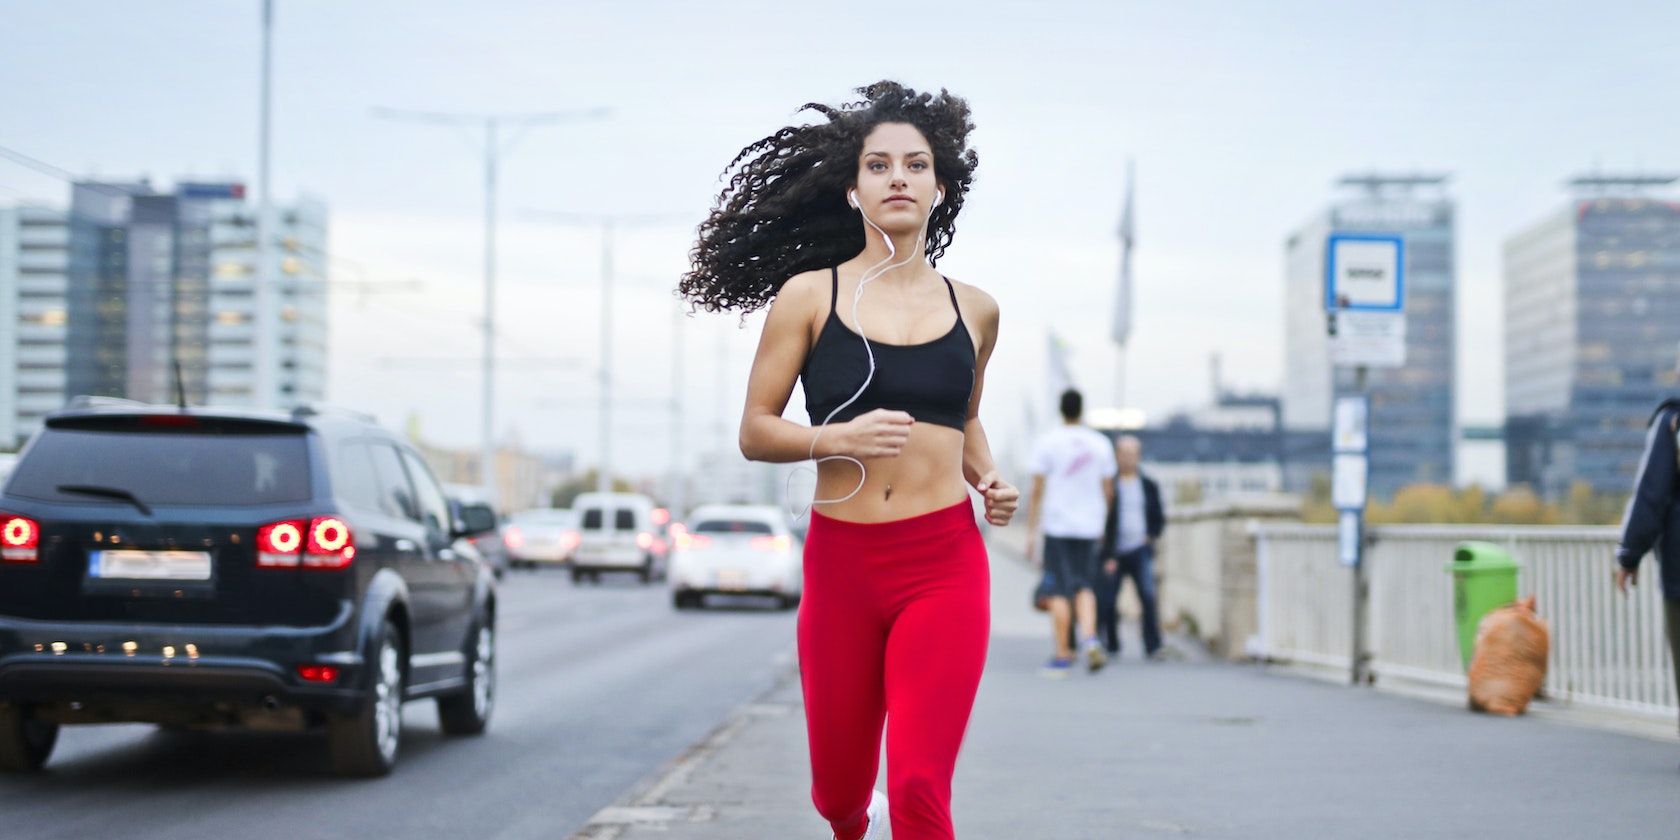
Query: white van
point(616, 533)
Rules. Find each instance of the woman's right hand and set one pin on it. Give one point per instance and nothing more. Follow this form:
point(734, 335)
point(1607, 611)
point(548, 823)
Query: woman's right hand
point(876, 434)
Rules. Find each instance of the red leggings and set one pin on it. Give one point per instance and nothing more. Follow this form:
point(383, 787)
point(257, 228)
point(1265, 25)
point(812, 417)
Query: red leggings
point(892, 628)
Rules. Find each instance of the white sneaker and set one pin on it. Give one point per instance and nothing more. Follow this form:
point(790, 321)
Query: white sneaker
point(877, 817)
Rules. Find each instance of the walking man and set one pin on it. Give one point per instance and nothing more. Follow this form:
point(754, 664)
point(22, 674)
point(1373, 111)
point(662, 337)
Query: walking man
point(1135, 521)
point(1072, 469)
point(1651, 509)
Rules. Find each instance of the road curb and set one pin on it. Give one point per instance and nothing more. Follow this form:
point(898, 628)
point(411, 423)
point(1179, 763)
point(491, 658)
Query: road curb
point(644, 804)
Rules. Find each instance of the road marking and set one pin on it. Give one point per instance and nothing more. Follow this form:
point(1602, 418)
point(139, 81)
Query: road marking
point(644, 806)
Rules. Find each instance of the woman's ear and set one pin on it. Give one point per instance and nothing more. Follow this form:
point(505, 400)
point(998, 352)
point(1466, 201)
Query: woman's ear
point(851, 197)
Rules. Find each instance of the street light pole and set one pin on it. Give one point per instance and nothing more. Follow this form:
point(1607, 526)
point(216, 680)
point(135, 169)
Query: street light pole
point(487, 418)
point(603, 475)
point(264, 393)
point(678, 500)
point(493, 149)
point(609, 223)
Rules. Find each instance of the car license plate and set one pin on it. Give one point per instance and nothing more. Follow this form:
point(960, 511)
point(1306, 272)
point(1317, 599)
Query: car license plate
point(149, 565)
point(733, 579)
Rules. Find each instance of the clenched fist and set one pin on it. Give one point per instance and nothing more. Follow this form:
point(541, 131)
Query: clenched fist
point(876, 434)
point(1001, 497)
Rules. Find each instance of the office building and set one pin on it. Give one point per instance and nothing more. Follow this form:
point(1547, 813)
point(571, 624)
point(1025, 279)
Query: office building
point(1412, 407)
point(1592, 332)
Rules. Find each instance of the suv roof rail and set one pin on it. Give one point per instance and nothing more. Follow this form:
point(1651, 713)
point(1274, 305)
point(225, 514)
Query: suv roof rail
point(96, 401)
point(321, 409)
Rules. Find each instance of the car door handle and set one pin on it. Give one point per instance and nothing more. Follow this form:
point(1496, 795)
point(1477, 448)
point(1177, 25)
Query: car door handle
point(407, 545)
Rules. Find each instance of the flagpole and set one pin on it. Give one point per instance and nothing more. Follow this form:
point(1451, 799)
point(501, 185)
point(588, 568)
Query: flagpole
point(1122, 329)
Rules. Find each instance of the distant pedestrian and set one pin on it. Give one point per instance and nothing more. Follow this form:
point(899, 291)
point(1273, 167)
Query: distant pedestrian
point(1653, 509)
point(1135, 521)
point(1071, 466)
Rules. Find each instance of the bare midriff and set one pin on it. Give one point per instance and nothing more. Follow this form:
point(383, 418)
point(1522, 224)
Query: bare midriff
point(925, 476)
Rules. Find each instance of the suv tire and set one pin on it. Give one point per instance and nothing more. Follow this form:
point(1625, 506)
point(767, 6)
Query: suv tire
point(25, 741)
point(365, 743)
point(468, 712)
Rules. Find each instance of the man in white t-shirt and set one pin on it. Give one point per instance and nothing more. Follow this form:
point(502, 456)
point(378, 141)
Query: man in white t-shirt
point(1072, 467)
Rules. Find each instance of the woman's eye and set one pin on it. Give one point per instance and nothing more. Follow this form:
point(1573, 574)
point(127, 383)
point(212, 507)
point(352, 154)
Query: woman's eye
point(877, 166)
point(918, 166)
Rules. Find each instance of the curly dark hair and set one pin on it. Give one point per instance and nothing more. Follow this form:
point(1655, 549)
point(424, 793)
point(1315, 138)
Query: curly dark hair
point(784, 209)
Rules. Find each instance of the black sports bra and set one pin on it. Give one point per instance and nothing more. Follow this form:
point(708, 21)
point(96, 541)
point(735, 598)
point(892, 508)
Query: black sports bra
point(932, 381)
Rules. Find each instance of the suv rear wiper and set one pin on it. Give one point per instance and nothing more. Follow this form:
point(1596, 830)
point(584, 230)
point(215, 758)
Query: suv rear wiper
point(107, 492)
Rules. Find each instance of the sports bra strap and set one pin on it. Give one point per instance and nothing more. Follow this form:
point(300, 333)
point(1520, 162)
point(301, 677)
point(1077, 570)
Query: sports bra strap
point(953, 290)
point(834, 293)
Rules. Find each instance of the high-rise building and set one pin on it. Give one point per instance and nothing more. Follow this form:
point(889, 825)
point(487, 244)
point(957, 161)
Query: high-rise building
point(1412, 407)
point(132, 285)
point(1592, 333)
point(33, 259)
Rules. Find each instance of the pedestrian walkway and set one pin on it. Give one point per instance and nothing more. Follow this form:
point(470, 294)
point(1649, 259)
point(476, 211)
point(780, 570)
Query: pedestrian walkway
point(1190, 747)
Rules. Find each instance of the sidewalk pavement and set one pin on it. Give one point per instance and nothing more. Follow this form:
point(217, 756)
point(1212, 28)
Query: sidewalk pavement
point(1190, 747)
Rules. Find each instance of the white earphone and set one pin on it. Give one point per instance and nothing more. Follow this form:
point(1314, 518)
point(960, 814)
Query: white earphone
point(871, 273)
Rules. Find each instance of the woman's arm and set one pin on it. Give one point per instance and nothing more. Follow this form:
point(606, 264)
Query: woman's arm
point(782, 347)
point(978, 467)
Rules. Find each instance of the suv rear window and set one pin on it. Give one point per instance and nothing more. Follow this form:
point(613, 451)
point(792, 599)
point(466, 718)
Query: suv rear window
point(731, 526)
point(592, 519)
point(625, 520)
point(166, 468)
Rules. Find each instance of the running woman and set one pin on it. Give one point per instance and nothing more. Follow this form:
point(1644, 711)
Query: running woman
point(894, 621)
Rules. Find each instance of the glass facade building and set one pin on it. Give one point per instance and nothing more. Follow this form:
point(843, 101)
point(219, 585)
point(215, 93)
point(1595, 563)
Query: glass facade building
point(33, 256)
point(109, 298)
point(1413, 426)
point(1592, 336)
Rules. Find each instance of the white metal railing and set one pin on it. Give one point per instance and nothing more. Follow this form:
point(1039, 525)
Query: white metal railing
point(1607, 651)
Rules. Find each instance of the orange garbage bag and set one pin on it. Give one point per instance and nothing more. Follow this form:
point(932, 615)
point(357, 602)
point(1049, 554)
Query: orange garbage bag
point(1509, 664)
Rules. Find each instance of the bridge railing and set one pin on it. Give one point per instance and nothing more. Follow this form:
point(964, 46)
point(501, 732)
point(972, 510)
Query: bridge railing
point(1607, 651)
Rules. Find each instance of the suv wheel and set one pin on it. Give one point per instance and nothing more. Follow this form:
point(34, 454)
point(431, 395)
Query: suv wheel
point(468, 713)
point(645, 573)
point(25, 741)
point(365, 743)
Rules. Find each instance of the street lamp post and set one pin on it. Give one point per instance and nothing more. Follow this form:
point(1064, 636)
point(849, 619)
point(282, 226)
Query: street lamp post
point(494, 147)
point(609, 224)
point(264, 393)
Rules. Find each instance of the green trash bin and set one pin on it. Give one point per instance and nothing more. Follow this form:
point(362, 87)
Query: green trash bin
point(1484, 579)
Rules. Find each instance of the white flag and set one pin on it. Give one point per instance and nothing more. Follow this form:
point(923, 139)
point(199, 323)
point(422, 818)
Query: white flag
point(1123, 296)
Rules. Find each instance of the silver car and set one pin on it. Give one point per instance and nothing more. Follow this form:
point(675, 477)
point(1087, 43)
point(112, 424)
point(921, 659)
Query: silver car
point(735, 550)
point(541, 536)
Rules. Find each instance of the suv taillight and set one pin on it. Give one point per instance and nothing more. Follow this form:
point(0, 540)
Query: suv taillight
point(20, 539)
point(324, 542)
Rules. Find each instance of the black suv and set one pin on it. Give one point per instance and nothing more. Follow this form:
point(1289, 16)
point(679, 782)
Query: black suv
point(200, 568)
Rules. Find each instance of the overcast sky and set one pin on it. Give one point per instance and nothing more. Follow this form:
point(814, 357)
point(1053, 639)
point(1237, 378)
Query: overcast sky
point(1239, 116)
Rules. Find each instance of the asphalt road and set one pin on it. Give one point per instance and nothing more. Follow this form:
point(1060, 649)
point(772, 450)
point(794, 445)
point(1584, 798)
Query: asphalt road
point(599, 686)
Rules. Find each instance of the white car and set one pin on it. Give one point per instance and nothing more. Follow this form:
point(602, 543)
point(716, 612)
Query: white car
point(540, 536)
point(736, 549)
point(616, 533)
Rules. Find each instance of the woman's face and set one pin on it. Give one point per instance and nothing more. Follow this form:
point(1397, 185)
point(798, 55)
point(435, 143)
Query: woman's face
point(896, 186)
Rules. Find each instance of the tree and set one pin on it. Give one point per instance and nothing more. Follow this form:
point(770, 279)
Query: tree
point(568, 491)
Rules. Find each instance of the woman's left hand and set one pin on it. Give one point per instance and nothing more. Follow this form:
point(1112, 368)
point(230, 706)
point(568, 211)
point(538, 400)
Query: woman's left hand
point(1001, 497)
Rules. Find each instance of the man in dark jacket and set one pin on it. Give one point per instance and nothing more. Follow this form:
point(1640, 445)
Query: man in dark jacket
point(1653, 519)
point(1135, 521)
